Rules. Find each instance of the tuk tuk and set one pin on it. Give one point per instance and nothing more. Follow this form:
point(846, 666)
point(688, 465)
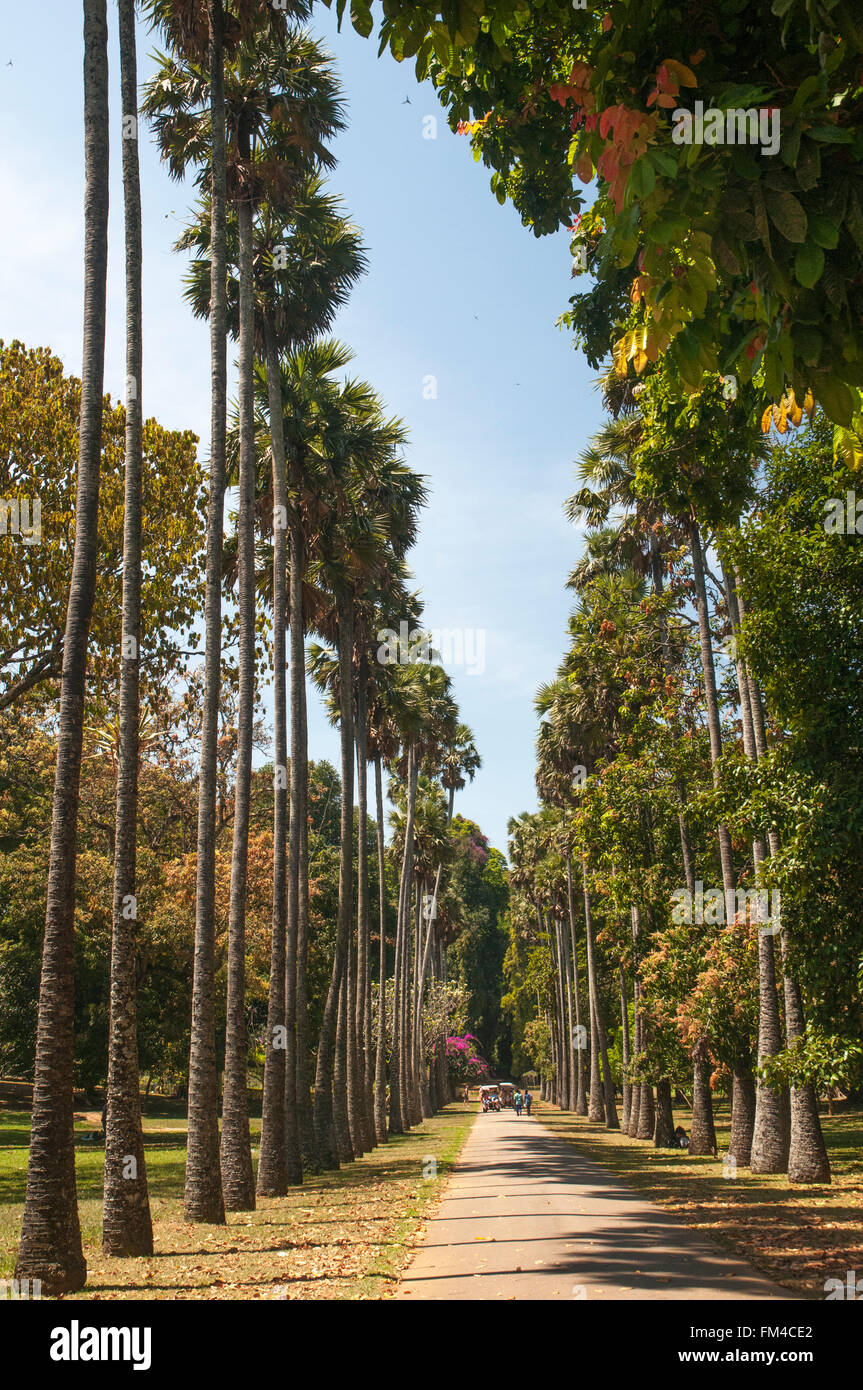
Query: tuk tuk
point(489, 1097)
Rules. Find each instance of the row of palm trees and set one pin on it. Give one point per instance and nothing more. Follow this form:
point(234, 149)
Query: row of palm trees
point(629, 754)
point(245, 99)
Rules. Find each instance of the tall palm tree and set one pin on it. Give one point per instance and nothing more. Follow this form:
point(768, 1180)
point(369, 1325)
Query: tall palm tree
point(127, 1228)
point(50, 1248)
point(307, 392)
point(197, 122)
point(275, 101)
point(306, 259)
point(368, 502)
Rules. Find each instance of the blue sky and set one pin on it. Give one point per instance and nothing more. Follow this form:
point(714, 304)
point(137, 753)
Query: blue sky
point(457, 290)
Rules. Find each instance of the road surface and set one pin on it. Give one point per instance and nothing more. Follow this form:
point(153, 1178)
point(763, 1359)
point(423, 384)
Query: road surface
point(525, 1216)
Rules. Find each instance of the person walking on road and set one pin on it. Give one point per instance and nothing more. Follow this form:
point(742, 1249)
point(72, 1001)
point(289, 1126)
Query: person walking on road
point(516, 1100)
point(528, 1101)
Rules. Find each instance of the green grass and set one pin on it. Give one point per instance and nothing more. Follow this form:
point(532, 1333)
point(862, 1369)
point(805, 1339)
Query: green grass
point(800, 1236)
point(343, 1235)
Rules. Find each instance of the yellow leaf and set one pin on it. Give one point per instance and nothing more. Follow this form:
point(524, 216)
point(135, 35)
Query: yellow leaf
point(685, 76)
point(767, 420)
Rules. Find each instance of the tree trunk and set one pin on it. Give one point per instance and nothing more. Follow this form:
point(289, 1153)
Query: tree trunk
point(771, 1135)
point(341, 1116)
point(624, 1031)
point(50, 1248)
point(381, 1052)
point(297, 1078)
point(363, 1023)
point(702, 1137)
point(238, 1179)
point(807, 1158)
point(324, 1130)
point(272, 1163)
point(581, 1032)
point(127, 1228)
point(354, 1091)
point(400, 1111)
point(663, 1132)
point(596, 1106)
point(203, 1192)
point(742, 1113)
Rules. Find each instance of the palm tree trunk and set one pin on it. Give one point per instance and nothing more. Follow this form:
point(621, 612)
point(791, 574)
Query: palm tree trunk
point(324, 1130)
point(401, 1061)
point(742, 1113)
point(354, 1093)
point(127, 1228)
point(363, 1023)
point(596, 1106)
point(663, 1132)
point(702, 1137)
point(50, 1248)
point(581, 1036)
point(341, 1116)
point(381, 1052)
point(297, 1077)
point(807, 1156)
point(203, 1192)
point(238, 1179)
point(272, 1163)
point(397, 1116)
point(624, 1031)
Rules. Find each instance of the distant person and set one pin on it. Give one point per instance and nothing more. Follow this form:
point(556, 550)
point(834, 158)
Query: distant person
point(516, 1100)
point(528, 1102)
point(466, 1096)
point(681, 1138)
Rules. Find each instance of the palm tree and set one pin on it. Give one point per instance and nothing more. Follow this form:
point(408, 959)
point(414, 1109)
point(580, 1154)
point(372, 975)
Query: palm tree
point(126, 1225)
point(261, 83)
point(369, 501)
point(208, 147)
point(271, 100)
point(50, 1248)
point(306, 259)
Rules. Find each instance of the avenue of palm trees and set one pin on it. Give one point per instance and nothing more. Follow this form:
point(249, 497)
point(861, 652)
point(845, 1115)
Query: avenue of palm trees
point(246, 101)
point(679, 924)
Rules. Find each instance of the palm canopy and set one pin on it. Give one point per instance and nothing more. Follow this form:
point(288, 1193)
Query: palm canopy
point(283, 103)
point(306, 259)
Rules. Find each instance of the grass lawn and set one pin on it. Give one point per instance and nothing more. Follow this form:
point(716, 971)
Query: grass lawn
point(800, 1236)
point(343, 1235)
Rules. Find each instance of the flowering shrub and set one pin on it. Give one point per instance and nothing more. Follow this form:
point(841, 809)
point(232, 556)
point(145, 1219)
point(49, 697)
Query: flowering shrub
point(465, 1063)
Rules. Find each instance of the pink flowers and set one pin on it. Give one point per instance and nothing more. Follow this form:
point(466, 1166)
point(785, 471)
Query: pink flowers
point(463, 1057)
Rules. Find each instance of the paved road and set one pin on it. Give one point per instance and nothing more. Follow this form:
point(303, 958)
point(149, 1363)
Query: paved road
point(524, 1215)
